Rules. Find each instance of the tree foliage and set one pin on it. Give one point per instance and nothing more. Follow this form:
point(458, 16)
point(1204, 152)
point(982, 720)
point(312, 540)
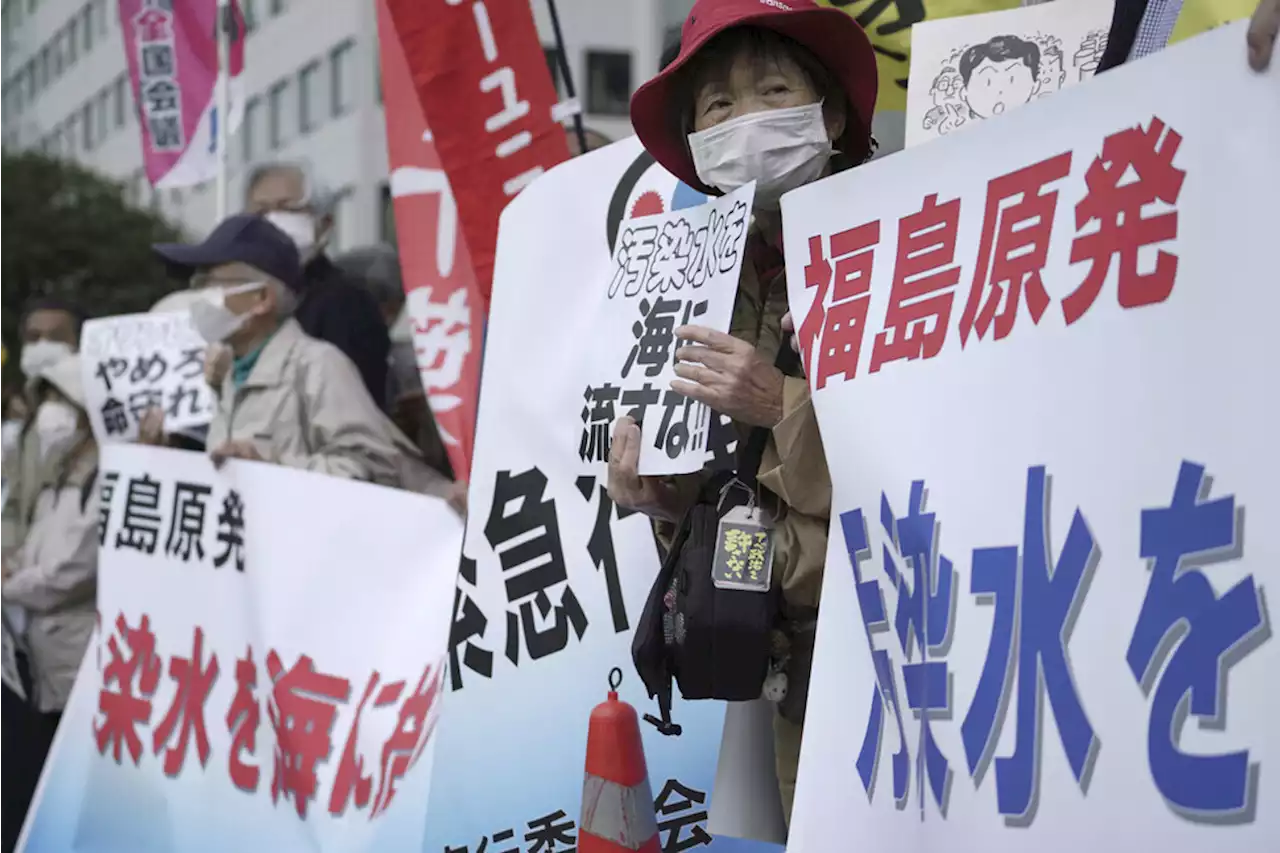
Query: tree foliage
point(68, 232)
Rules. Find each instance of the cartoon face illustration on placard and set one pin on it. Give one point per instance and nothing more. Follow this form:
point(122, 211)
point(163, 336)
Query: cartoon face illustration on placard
point(999, 74)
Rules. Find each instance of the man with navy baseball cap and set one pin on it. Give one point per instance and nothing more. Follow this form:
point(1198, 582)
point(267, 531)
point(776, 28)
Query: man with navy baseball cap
point(288, 398)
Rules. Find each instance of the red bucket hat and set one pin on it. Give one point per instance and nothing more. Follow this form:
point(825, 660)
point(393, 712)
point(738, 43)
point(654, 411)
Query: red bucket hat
point(833, 37)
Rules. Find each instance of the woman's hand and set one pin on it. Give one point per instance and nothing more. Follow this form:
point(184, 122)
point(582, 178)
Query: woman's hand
point(648, 495)
point(729, 376)
point(151, 427)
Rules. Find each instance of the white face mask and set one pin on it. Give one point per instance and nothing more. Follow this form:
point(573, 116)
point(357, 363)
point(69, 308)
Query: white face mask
point(778, 149)
point(213, 319)
point(299, 226)
point(38, 355)
point(56, 422)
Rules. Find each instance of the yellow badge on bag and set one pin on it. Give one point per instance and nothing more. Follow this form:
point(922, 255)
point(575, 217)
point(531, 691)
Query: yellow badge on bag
point(744, 551)
point(888, 24)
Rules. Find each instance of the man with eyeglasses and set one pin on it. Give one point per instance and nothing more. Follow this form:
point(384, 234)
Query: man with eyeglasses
point(288, 398)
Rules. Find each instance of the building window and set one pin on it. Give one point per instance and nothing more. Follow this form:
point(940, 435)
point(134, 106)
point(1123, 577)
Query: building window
point(103, 115)
point(340, 69)
point(552, 55)
point(100, 6)
point(86, 126)
point(276, 114)
point(73, 40)
point(277, 7)
point(608, 83)
point(71, 134)
point(310, 105)
point(250, 14)
point(31, 80)
point(46, 66)
point(121, 95)
point(86, 27)
point(248, 127)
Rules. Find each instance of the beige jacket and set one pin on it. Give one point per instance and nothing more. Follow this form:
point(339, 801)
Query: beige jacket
point(304, 405)
point(794, 467)
point(56, 580)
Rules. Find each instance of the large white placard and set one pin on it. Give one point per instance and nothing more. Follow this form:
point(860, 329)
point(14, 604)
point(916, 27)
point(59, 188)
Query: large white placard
point(971, 68)
point(134, 362)
point(1043, 380)
point(670, 269)
point(554, 575)
point(268, 667)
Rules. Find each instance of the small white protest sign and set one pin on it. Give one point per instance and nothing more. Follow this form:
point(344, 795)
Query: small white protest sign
point(672, 269)
point(133, 362)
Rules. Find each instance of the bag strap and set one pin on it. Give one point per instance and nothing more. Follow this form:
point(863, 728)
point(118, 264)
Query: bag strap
point(664, 725)
point(751, 451)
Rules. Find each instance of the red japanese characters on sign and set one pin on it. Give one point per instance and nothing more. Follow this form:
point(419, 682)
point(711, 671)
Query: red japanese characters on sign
point(1113, 220)
point(303, 705)
point(480, 65)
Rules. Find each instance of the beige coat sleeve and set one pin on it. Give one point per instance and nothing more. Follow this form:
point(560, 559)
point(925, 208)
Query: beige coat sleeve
point(58, 565)
point(345, 429)
point(794, 466)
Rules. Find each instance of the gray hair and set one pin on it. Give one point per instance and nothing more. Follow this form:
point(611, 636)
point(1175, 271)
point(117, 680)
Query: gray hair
point(286, 299)
point(315, 194)
point(377, 267)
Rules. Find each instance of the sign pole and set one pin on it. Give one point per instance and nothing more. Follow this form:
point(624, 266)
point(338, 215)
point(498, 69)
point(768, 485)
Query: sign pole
point(225, 26)
point(566, 74)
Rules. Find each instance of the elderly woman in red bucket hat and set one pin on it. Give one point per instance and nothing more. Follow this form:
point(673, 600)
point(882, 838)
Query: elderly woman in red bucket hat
point(779, 92)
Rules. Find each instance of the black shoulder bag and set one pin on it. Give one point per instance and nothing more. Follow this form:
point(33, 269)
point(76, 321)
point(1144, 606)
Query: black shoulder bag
point(715, 643)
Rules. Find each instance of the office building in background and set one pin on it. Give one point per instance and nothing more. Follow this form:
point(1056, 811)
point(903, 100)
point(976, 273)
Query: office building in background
point(312, 93)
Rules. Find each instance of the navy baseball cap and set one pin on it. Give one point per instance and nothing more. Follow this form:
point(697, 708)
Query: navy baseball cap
point(242, 238)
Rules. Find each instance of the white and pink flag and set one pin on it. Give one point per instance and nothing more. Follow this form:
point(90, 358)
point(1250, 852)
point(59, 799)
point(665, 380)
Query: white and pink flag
point(173, 66)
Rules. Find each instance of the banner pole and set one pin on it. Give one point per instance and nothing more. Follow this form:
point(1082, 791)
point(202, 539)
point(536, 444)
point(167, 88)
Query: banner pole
point(225, 25)
point(566, 74)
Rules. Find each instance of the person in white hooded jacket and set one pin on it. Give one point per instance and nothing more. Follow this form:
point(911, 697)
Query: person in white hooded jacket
point(50, 329)
point(50, 584)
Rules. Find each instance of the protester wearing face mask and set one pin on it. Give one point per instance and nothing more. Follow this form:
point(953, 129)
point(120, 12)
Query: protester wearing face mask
point(331, 306)
point(288, 398)
point(781, 94)
point(50, 331)
point(50, 583)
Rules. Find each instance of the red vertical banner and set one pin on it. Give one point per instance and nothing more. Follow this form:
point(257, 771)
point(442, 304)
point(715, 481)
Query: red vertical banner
point(479, 69)
point(443, 301)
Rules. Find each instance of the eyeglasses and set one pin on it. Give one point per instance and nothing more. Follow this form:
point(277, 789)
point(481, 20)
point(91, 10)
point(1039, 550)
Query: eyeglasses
point(202, 280)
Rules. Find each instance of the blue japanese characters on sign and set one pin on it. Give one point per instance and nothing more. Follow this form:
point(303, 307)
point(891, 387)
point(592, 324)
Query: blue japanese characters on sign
point(1185, 641)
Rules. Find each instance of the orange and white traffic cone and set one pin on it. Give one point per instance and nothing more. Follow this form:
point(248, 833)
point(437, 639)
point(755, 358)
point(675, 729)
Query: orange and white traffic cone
point(617, 803)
